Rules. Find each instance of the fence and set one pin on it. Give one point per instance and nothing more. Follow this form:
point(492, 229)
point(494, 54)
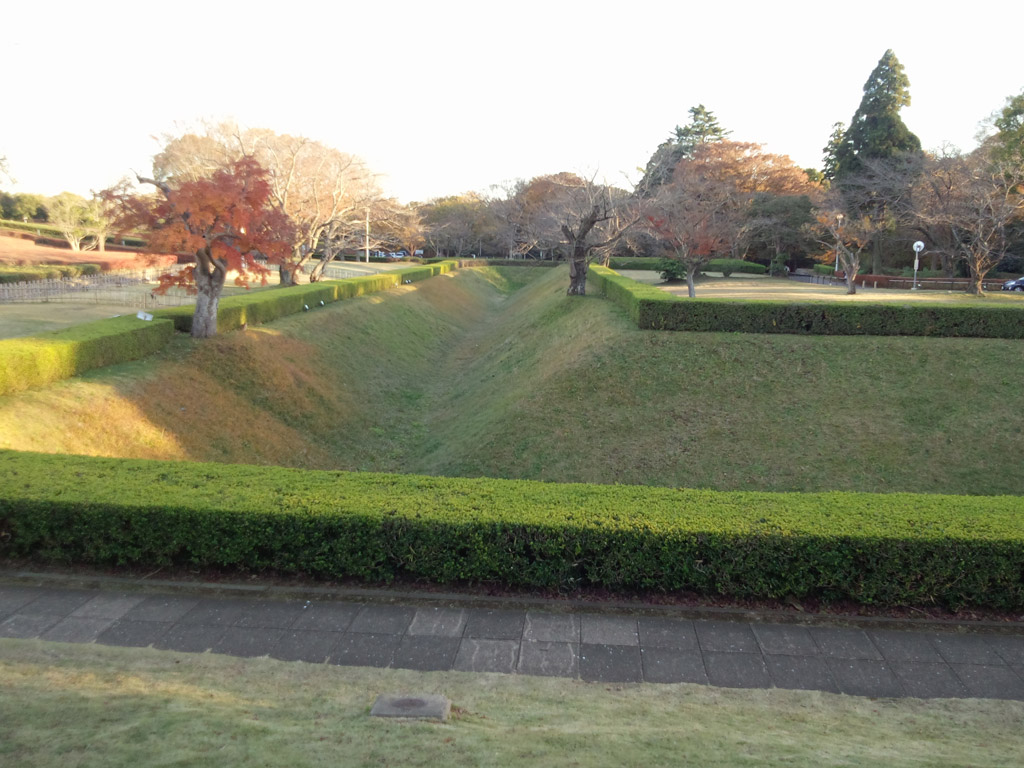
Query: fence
point(132, 288)
point(128, 288)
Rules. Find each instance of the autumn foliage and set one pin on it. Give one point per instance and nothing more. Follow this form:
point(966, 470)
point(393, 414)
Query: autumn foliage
point(224, 220)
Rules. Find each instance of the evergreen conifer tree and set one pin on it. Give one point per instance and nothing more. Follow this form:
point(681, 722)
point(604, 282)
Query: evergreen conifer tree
point(703, 128)
point(876, 130)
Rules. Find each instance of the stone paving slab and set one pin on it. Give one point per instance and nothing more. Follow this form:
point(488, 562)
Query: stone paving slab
point(588, 645)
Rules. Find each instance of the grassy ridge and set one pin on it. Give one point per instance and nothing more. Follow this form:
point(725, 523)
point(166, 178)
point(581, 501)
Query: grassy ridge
point(495, 372)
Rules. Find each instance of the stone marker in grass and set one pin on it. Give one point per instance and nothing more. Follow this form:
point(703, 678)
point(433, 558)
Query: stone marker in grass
point(426, 706)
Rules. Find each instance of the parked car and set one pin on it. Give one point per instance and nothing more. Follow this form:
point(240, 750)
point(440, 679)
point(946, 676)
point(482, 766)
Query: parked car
point(1014, 285)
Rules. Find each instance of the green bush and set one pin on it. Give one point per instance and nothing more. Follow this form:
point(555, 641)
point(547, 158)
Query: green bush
point(29, 273)
point(653, 309)
point(885, 549)
point(33, 361)
point(728, 266)
point(648, 263)
point(824, 269)
point(671, 269)
point(31, 226)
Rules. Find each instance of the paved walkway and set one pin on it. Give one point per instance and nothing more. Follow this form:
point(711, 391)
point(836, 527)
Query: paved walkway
point(606, 647)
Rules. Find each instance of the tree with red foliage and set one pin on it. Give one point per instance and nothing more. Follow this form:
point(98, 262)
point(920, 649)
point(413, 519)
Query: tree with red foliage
point(225, 220)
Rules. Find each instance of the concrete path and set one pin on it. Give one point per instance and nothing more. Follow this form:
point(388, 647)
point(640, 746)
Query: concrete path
point(539, 639)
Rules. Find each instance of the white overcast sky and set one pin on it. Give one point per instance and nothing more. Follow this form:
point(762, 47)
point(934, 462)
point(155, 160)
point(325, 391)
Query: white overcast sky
point(444, 96)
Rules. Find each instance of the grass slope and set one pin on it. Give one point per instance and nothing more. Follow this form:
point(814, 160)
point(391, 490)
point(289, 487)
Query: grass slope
point(496, 372)
point(88, 705)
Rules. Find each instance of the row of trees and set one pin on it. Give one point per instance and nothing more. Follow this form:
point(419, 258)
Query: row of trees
point(237, 199)
point(884, 192)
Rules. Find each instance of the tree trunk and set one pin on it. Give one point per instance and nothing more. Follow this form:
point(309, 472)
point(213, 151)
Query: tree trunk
point(209, 284)
point(976, 286)
point(577, 273)
point(876, 256)
point(691, 289)
point(851, 283)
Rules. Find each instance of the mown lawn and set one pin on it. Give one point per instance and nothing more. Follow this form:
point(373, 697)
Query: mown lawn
point(88, 705)
point(495, 372)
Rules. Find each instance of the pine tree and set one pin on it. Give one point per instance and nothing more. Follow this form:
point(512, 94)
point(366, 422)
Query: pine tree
point(703, 128)
point(832, 150)
point(876, 130)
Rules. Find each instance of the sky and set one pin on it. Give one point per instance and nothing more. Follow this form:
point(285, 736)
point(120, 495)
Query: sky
point(447, 96)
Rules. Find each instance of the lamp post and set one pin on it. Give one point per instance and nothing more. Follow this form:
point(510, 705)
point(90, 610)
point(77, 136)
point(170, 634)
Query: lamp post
point(839, 230)
point(918, 247)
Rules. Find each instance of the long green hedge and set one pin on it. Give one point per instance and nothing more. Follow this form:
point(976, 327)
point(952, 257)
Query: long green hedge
point(872, 548)
point(654, 264)
point(653, 309)
point(18, 274)
point(265, 306)
point(34, 361)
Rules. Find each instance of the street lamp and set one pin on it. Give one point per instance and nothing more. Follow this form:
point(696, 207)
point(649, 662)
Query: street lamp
point(918, 247)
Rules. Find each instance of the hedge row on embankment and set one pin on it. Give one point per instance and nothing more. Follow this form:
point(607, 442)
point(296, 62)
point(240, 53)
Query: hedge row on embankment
point(653, 309)
point(891, 549)
point(33, 361)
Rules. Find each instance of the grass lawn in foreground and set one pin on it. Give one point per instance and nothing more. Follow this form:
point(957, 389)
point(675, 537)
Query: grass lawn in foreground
point(89, 705)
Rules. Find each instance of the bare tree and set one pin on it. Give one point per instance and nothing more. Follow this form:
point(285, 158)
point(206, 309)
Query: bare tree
point(695, 217)
point(850, 235)
point(322, 191)
point(591, 217)
point(76, 218)
point(978, 200)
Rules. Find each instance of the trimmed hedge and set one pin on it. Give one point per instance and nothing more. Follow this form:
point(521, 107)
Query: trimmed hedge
point(648, 263)
point(33, 361)
point(885, 549)
point(21, 274)
point(653, 309)
point(651, 264)
point(728, 266)
point(265, 306)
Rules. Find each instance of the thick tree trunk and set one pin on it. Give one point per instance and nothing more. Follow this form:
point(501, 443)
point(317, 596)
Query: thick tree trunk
point(851, 283)
point(876, 256)
point(976, 286)
point(209, 284)
point(691, 289)
point(577, 275)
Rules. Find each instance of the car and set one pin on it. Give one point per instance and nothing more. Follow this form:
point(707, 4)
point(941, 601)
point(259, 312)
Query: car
point(1014, 285)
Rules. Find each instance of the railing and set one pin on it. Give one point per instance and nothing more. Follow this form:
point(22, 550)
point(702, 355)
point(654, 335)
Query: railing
point(124, 287)
point(127, 287)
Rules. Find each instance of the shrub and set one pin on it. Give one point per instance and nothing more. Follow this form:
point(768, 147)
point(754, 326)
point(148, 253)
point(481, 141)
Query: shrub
point(32, 272)
point(886, 549)
point(671, 269)
point(33, 361)
point(648, 263)
point(728, 266)
point(824, 269)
